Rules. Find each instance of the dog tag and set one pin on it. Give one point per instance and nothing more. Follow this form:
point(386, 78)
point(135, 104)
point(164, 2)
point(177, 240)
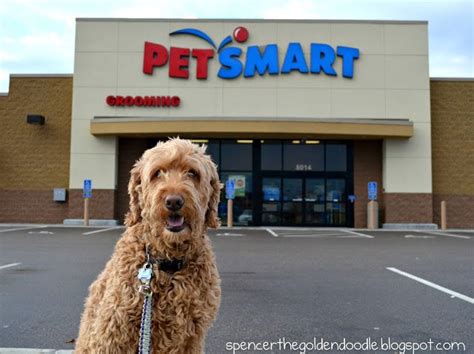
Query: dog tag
point(145, 273)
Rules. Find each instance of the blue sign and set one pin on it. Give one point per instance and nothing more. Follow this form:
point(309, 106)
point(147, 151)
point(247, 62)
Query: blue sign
point(230, 189)
point(321, 60)
point(87, 190)
point(372, 186)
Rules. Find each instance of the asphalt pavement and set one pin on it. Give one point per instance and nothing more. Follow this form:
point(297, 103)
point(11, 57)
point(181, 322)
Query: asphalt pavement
point(293, 288)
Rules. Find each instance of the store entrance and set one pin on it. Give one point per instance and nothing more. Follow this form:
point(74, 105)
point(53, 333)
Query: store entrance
point(277, 182)
point(297, 199)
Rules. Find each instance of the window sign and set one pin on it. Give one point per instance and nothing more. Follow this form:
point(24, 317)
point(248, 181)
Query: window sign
point(271, 194)
point(239, 185)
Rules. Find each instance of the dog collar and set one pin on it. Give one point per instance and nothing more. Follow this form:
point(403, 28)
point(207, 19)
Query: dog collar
point(167, 265)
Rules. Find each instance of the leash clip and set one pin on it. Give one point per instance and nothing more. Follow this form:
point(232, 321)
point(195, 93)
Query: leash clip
point(145, 274)
point(144, 289)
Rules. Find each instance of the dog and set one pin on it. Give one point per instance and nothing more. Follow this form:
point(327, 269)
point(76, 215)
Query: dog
point(174, 193)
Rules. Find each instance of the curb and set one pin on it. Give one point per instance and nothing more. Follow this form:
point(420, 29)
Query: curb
point(33, 351)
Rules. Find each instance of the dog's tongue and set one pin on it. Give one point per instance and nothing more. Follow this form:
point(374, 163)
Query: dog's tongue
point(175, 221)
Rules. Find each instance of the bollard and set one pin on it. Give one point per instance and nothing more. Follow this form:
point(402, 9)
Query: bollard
point(373, 215)
point(443, 215)
point(230, 212)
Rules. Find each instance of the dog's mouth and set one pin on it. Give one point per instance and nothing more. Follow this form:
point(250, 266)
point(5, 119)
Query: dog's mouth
point(175, 223)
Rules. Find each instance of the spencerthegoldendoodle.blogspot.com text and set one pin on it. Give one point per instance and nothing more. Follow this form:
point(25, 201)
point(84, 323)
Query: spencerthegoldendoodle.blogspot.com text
point(382, 344)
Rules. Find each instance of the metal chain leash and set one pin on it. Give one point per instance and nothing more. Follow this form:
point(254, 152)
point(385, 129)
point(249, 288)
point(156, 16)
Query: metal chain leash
point(145, 274)
point(144, 346)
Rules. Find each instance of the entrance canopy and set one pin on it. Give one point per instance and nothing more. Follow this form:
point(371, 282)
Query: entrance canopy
point(331, 128)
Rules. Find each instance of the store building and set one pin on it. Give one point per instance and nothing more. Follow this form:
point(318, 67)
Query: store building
point(302, 115)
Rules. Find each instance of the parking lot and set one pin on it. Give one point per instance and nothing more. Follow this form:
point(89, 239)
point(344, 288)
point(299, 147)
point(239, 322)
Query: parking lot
point(299, 284)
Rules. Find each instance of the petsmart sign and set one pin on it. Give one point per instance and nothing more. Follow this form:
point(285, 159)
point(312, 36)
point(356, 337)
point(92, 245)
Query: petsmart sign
point(255, 59)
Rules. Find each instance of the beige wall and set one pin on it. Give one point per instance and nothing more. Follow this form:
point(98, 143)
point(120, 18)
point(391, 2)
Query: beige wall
point(391, 81)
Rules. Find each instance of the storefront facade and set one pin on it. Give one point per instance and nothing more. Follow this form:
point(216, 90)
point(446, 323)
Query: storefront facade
point(302, 115)
point(278, 86)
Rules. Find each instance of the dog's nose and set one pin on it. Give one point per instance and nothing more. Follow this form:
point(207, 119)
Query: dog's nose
point(174, 202)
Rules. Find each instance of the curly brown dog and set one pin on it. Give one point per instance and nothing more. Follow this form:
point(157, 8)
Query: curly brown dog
point(174, 192)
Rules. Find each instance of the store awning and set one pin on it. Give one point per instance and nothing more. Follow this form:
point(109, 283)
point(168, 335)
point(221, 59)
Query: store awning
point(271, 128)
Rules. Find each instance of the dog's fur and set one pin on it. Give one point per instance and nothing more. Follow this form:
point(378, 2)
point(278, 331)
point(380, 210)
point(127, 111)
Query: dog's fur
point(186, 302)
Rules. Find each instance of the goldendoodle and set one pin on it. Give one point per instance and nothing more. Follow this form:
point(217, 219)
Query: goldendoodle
point(174, 193)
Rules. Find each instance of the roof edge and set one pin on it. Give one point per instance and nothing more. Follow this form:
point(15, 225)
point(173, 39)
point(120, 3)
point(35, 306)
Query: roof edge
point(451, 78)
point(382, 121)
point(41, 75)
point(125, 19)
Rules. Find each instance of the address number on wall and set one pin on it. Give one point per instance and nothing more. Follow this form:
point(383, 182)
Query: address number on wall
point(303, 167)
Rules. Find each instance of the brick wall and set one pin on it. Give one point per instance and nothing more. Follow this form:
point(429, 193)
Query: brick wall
point(33, 206)
point(452, 124)
point(408, 208)
point(101, 205)
point(34, 159)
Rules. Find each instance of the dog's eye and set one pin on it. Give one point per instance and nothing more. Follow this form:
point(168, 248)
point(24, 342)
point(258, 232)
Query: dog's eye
point(158, 173)
point(192, 174)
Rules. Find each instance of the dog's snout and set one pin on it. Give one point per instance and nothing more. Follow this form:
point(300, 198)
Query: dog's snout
point(174, 202)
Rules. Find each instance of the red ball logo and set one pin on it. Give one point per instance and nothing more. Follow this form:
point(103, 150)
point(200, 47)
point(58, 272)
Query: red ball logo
point(241, 34)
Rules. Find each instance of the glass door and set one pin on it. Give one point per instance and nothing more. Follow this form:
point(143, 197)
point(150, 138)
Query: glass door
point(315, 201)
point(292, 209)
point(271, 206)
point(336, 201)
point(297, 201)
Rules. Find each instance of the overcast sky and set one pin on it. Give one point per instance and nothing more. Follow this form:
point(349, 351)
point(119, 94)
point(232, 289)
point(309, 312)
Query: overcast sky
point(37, 36)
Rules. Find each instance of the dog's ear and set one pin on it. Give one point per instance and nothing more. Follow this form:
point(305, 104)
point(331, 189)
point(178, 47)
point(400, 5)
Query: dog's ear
point(134, 191)
point(212, 220)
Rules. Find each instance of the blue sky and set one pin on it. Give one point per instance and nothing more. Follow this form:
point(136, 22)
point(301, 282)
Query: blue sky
point(37, 36)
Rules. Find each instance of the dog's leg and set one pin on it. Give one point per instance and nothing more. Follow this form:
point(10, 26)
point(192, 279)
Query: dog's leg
point(111, 319)
point(195, 345)
point(96, 294)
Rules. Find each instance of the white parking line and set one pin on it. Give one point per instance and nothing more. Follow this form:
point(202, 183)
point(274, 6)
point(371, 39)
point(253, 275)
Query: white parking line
point(433, 285)
point(444, 234)
point(271, 232)
point(357, 233)
point(308, 232)
point(311, 235)
point(9, 265)
point(418, 236)
point(25, 228)
point(101, 230)
point(229, 234)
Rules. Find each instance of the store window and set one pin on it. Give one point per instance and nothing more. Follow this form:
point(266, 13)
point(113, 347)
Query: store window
point(236, 155)
point(236, 164)
point(214, 151)
point(271, 156)
point(303, 156)
point(242, 205)
point(336, 157)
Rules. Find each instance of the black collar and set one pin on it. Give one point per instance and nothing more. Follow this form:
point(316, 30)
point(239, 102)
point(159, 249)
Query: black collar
point(166, 265)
